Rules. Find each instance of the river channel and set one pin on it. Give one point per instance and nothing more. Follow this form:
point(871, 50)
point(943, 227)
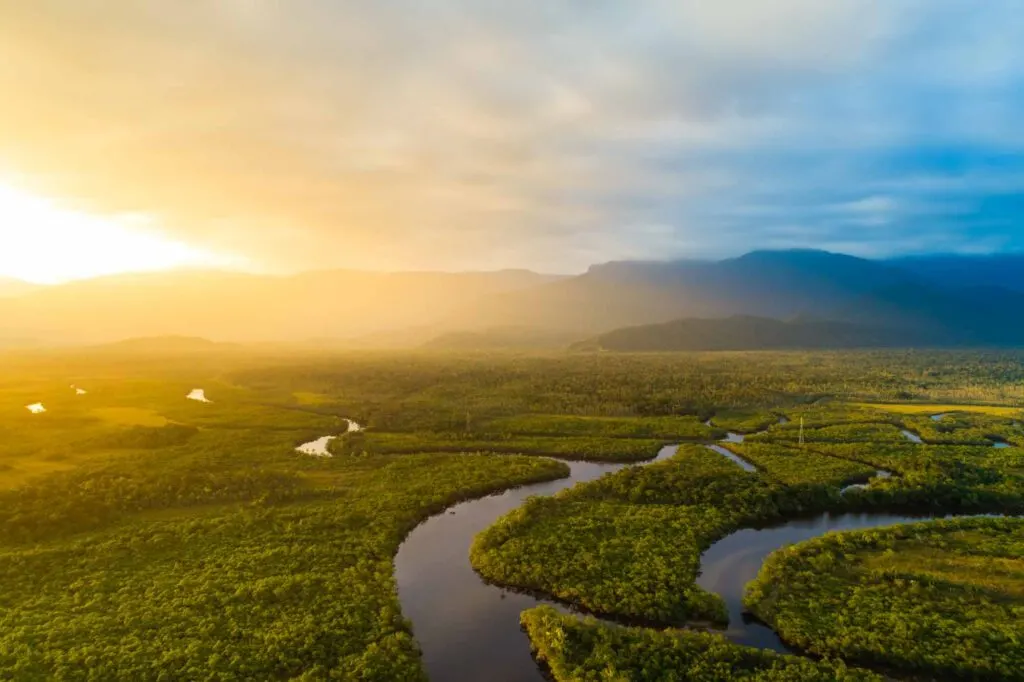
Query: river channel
point(469, 630)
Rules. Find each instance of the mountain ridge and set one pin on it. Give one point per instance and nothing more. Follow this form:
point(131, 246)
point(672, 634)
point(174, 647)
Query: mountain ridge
point(410, 309)
point(747, 332)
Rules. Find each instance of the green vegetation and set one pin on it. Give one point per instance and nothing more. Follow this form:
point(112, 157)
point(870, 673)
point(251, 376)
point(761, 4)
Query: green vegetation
point(572, 447)
point(575, 650)
point(793, 466)
point(146, 536)
point(744, 421)
point(943, 599)
point(629, 544)
point(131, 416)
point(943, 408)
point(627, 560)
point(672, 427)
point(840, 433)
point(966, 429)
point(252, 591)
point(206, 548)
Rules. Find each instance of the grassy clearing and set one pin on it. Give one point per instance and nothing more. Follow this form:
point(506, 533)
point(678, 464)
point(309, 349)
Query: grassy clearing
point(792, 466)
point(940, 599)
point(310, 398)
point(130, 416)
point(570, 447)
point(942, 408)
point(685, 427)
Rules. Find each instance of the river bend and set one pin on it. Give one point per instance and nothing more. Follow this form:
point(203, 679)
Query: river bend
point(468, 630)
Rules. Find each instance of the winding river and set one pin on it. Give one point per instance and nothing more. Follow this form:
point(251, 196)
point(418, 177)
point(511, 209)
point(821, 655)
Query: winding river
point(469, 630)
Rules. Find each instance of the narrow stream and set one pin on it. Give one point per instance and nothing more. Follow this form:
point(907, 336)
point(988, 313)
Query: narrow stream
point(911, 436)
point(318, 447)
point(469, 630)
point(725, 452)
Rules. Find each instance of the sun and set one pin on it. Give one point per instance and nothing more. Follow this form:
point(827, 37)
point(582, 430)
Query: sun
point(45, 243)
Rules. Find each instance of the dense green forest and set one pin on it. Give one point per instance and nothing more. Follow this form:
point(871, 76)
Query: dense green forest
point(587, 650)
point(147, 536)
point(943, 599)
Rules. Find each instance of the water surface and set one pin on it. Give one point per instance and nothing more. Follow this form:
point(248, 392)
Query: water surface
point(318, 447)
point(729, 564)
point(911, 436)
point(198, 395)
point(469, 630)
point(732, 456)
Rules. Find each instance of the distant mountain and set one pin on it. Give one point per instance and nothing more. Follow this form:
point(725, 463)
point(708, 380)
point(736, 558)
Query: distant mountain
point(10, 286)
point(767, 283)
point(743, 332)
point(1005, 271)
point(941, 300)
point(503, 338)
point(163, 344)
point(243, 307)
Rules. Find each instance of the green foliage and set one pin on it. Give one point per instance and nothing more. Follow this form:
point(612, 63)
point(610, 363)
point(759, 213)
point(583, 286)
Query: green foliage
point(967, 428)
point(931, 479)
point(839, 433)
point(635, 561)
point(673, 428)
point(943, 599)
point(143, 438)
point(629, 544)
point(699, 477)
point(576, 650)
point(145, 536)
point(744, 421)
point(593, 448)
point(793, 466)
point(241, 592)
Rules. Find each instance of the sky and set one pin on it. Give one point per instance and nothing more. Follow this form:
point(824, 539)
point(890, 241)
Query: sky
point(472, 134)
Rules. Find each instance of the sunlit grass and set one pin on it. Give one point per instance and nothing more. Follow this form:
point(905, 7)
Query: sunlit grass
point(310, 398)
point(939, 408)
point(130, 416)
point(998, 575)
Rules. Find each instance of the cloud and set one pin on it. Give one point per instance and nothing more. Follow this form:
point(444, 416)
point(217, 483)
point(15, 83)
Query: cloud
point(450, 133)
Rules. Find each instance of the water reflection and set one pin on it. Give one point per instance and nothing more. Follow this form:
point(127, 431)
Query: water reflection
point(198, 395)
point(744, 464)
point(467, 629)
point(318, 447)
point(911, 436)
point(729, 564)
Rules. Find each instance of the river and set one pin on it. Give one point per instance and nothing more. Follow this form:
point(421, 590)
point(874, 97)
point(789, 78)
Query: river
point(469, 630)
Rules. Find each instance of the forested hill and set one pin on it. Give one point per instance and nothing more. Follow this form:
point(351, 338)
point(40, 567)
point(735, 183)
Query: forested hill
point(933, 300)
point(743, 332)
point(933, 296)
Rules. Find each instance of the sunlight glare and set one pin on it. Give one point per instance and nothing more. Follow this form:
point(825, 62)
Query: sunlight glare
point(45, 243)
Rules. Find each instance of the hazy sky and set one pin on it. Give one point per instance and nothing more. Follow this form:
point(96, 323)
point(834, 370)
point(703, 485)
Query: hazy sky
point(476, 134)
